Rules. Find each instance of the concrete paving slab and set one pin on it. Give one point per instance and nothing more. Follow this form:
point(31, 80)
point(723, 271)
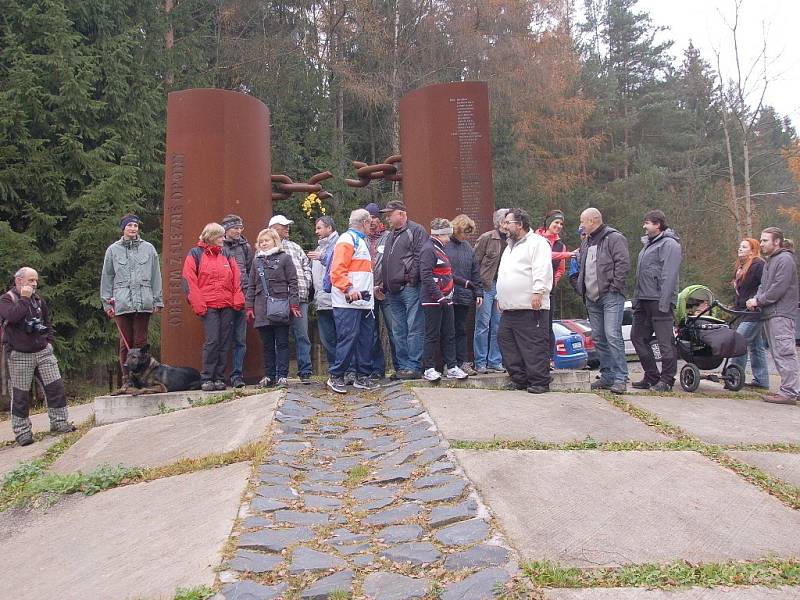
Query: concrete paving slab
point(78, 414)
point(138, 541)
point(696, 593)
point(11, 456)
point(778, 464)
point(591, 508)
point(726, 420)
point(483, 415)
point(164, 439)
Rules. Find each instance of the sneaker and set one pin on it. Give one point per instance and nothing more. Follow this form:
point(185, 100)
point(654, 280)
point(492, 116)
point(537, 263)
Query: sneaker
point(756, 386)
point(282, 382)
point(779, 399)
point(432, 374)
point(538, 389)
point(618, 387)
point(641, 385)
point(237, 382)
point(337, 385)
point(661, 387)
point(219, 385)
point(208, 386)
point(481, 370)
point(25, 439)
point(599, 384)
point(62, 427)
point(456, 373)
point(305, 378)
point(266, 382)
point(467, 368)
point(405, 374)
point(349, 378)
point(495, 369)
point(365, 383)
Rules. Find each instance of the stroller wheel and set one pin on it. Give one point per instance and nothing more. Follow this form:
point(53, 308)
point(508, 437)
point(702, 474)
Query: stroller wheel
point(734, 378)
point(690, 377)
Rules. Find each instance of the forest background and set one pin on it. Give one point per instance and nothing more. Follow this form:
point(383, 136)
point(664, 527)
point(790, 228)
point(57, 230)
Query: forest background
point(586, 109)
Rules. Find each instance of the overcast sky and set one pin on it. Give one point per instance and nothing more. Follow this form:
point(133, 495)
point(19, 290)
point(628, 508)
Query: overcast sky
point(703, 21)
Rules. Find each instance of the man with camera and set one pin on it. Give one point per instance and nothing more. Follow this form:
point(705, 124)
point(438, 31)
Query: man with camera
point(28, 336)
point(351, 295)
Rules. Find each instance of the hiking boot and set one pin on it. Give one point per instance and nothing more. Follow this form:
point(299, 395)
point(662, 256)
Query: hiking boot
point(432, 375)
point(779, 399)
point(467, 368)
point(61, 427)
point(237, 382)
point(282, 382)
point(337, 384)
point(599, 384)
point(305, 378)
point(25, 439)
point(456, 373)
point(365, 383)
point(618, 387)
point(641, 385)
point(219, 385)
point(661, 387)
point(405, 374)
point(208, 386)
point(538, 389)
point(266, 382)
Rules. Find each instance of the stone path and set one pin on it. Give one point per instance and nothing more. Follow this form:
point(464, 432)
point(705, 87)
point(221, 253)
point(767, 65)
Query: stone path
point(360, 494)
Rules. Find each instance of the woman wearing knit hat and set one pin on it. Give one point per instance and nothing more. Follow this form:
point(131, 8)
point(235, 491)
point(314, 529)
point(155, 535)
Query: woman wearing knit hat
point(130, 288)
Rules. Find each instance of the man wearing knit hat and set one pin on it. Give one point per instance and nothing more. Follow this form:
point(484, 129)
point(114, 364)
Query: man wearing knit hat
point(377, 237)
point(130, 288)
point(241, 250)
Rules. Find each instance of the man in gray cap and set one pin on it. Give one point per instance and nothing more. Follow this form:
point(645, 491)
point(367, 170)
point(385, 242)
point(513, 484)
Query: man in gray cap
point(377, 238)
point(241, 250)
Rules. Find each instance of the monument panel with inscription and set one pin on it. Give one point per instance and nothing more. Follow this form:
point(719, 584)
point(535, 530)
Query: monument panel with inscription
point(218, 161)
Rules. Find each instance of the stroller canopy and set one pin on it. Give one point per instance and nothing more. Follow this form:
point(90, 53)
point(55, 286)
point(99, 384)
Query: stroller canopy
point(690, 297)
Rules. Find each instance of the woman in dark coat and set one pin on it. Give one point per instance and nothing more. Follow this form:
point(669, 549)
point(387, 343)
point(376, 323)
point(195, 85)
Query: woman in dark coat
point(274, 270)
point(466, 267)
point(747, 277)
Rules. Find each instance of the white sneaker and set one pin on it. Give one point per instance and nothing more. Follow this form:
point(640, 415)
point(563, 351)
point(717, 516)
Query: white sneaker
point(432, 374)
point(456, 373)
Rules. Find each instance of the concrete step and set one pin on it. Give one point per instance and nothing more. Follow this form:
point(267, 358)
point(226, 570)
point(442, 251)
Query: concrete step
point(564, 380)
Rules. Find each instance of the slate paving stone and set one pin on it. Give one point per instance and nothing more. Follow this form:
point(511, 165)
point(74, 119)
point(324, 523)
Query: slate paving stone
point(395, 534)
point(331, 429)
point(253, 522)
point(465, 532)
point(276, 492)
point(431, 455)
point(291, 447)
point(400, 402)
point(345, 536)
point(479, 586)
point(323, 588)
point(272, 469)
point(295, 409)
point(323, 488)
point(306, 559)
point(381, 450)
point(393, 516)
point(369, 422)
point(439, 494)
point(402, 413)
point(374, 505)
point(392, 474)
point(254, 562)
point(378, 442)
point(477, 557)
point(275, 540)
point(358, 435)
point(391, 586)
point(419, 433)
point(275, 479)
point(367, 411)
point(373, 492)
point(297, 422)
point(444, 515)
point(267, 504)
point(345, 464)
point(329, 476)
point(330, 444)
point(250, 590)
point(296, 517)
point(316, 404)
point(354, 549)
point(363, 560)
point(435, 480)
point(417, 553)
point(322, 502)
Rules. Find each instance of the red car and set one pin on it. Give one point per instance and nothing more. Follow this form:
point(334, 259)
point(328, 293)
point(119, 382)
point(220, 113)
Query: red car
point(583, 327)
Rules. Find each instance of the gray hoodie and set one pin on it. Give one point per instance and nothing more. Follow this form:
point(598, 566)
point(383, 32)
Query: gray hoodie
point(321, 297)
point(777, 296)
point(657, 270)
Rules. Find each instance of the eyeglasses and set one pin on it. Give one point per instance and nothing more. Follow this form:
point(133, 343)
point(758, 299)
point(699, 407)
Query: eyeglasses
point(509, 222)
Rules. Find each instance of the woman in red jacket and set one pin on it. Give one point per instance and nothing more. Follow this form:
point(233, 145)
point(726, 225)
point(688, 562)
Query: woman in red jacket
point(211, 280)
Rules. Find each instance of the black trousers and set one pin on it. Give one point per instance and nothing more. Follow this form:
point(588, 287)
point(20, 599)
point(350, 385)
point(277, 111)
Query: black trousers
point(460, 316)
point(218, 327)
point(523, 340)
point(439, 329)
point(647, 319)
point(275, 348)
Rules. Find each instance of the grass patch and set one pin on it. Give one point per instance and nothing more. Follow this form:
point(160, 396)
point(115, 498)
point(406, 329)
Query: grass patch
point(357, 474)
point(768, 572)
point(200, 592)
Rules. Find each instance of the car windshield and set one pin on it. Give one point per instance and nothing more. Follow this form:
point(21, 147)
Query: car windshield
point(559, 330)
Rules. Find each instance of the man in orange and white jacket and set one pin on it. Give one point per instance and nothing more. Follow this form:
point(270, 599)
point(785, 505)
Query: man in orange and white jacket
point(351, 295)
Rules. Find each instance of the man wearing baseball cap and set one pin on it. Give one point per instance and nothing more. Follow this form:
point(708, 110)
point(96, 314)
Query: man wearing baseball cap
point(241, 250)
point(303, 267)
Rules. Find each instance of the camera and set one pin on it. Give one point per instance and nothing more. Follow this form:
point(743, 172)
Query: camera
point(35, 325)
point(365, 295)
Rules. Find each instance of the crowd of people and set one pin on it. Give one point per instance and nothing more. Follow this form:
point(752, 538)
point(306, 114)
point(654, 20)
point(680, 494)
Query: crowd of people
point(421, 284)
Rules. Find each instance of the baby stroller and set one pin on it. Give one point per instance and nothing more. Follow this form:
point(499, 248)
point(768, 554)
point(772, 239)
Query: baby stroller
point(706, 342)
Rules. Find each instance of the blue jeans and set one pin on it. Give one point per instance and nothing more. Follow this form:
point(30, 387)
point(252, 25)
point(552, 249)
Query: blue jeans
point(355, 331)
point(408, 327)
point(487, 322)
point(301, 341)
point(239, 327)
point(605, 316)
point(753, 333)
point(327, 334)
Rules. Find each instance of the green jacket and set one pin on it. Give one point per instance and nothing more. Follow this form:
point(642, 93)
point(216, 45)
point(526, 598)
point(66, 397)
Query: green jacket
point(132, 277)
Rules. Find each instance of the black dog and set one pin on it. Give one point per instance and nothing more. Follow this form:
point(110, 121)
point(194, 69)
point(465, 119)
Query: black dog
point(148, 376)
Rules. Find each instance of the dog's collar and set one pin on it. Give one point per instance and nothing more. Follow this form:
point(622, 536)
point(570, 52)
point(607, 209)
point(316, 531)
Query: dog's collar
point(150, 367)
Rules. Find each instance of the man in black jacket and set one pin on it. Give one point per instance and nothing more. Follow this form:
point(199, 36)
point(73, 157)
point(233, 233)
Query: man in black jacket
point(241, 250)
point(401, 286)
point(28, 336)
